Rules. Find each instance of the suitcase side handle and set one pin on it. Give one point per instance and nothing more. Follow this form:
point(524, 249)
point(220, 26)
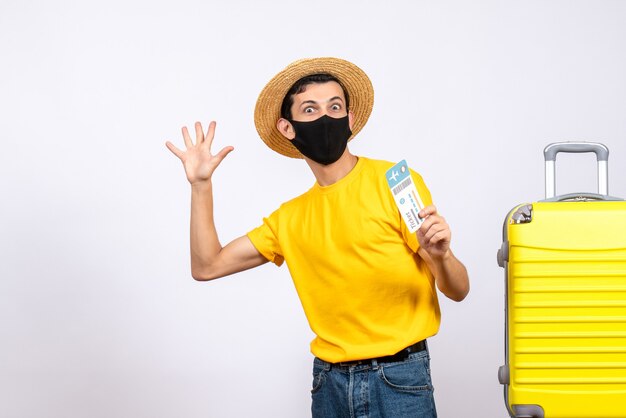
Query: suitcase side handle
point(602, 156)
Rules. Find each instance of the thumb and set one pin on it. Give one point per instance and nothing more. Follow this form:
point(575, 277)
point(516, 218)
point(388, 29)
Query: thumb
point(223, 153)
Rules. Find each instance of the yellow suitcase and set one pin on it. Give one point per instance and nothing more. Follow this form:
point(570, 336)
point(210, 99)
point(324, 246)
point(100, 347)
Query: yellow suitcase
point(565, 266)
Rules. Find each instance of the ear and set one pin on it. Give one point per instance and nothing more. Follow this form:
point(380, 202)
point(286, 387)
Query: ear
point(286, 128)
point(350, 119)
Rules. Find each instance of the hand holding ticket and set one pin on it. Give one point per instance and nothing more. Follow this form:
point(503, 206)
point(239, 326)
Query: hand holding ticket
point(405, 194)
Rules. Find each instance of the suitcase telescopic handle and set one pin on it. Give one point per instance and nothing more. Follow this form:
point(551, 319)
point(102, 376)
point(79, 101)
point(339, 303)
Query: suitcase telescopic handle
point(602, 156)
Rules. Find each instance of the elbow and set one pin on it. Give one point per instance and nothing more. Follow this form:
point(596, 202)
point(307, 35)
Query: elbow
point(459, 297)
point(457, 293)
point(204, 274)
point(200, 277)
point(460, 294)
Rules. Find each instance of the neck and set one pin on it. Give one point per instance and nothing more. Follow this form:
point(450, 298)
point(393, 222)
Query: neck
point(332, 173)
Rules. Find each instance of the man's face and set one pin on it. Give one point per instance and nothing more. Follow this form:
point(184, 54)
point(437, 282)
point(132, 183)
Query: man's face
point(317, 100)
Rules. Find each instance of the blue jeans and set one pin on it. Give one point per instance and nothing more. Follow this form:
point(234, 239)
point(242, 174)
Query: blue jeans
point(374, 390)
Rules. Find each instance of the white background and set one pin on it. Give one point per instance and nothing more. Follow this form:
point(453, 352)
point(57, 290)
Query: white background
point(99, 316)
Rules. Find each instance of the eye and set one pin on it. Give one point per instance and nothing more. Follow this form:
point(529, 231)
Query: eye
point(336, 106)
point(309, 110)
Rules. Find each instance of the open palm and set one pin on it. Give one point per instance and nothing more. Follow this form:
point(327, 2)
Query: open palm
point(197, 159)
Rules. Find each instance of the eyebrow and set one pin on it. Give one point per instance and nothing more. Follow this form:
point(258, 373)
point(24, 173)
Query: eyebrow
point(328, 101)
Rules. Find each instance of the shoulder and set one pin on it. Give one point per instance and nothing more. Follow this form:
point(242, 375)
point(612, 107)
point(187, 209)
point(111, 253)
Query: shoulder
point(375, 169)
point(296, 202)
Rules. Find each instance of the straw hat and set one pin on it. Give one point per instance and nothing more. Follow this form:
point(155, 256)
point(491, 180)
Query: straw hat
point(267, 111)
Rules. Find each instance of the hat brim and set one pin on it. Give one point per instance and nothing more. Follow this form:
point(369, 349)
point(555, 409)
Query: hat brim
point(267, 111)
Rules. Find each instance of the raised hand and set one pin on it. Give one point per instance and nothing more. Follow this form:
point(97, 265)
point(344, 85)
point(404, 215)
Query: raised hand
point(197, 159)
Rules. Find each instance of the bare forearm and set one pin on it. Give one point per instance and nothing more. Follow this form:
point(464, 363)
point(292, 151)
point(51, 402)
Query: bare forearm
point(209, 259)
point(452, 278)
point(434, 237)
point(450, 275)
point(205, 245)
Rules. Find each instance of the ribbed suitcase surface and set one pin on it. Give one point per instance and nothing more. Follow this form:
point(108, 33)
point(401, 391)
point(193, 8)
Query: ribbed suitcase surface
point(567, 309)
point(565, 266)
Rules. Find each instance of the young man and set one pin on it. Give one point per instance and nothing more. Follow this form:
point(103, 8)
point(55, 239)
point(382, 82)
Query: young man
point(367, 284)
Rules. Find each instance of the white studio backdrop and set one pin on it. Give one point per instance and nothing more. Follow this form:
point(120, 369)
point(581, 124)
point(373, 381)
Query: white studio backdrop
point(99, 316)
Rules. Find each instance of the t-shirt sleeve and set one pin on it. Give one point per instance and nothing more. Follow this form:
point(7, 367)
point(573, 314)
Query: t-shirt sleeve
point(411, 238)
point(265, 239)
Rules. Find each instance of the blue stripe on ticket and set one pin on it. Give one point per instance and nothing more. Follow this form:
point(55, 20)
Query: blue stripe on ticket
point(396, 174)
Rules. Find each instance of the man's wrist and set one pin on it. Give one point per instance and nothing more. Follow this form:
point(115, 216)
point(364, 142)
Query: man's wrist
point(442, 258)
point(201, 186)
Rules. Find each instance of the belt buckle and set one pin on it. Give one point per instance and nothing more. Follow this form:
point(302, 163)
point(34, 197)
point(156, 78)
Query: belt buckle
point(353, 363)
point(399, 356)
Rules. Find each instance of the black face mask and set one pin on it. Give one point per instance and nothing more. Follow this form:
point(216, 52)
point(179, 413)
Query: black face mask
point(323, 140)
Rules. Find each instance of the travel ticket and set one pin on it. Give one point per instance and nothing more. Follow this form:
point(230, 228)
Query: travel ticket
point(406, 196)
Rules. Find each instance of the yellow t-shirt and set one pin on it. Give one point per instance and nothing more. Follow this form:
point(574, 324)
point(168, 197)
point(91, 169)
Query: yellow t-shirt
point(364, 289)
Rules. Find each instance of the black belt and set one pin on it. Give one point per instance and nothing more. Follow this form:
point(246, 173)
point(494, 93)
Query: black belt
point(399, 356)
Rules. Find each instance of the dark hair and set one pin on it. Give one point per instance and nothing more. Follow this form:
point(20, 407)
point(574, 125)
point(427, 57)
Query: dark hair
point(300, 86)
